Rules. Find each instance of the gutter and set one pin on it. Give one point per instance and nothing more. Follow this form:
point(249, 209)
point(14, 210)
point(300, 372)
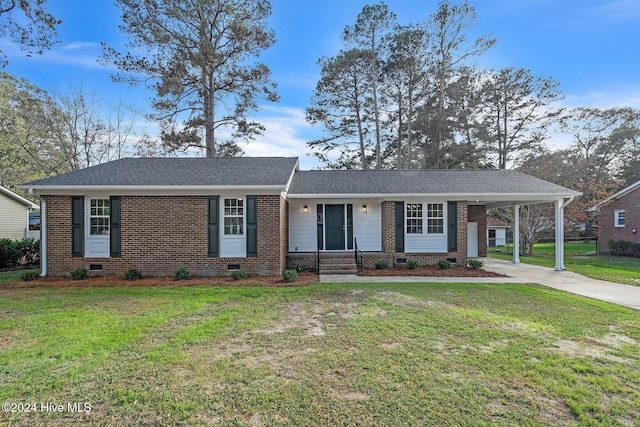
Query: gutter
point(568, 202)
point(43, 233)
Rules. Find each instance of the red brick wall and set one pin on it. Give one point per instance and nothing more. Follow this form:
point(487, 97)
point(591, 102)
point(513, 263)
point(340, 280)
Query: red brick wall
point(161, 234)
point(606, 229)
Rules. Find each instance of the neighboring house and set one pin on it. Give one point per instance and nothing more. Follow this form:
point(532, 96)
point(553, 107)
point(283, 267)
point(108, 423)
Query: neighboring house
point(619, 217)
point(496, 232)
point(210, 215)
point(14, 215)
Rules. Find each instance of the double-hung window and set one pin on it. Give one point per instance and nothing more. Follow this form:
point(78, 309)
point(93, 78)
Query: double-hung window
point(619, 218)
point(414, 218)
point(233, 217)
point(435, 218)
point(99, 217)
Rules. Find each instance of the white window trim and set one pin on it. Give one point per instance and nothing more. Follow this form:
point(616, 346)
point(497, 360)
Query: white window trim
point(427, 218)
point(421, 218)
point(616, 218)
point(243, 216)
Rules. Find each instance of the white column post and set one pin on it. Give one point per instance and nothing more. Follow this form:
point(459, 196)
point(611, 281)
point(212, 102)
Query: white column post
point(516, 234)
point(559, 235)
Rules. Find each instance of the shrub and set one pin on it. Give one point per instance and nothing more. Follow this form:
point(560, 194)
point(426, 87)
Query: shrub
point(381, 265)
point(301, 268)
point(476, 264)
point(181, 274)
point(29, 249)
point(624, 248)
point(412, 264)
point(79, 273)
point(444, 264)
point(133, 274)
point(30, 275)
point(238, 274)
point(290, 276)
point(9, 253)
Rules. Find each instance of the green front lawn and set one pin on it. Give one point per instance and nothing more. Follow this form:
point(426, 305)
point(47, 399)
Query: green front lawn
point(570, 248)
point(614, 269)
point(358, 354)
point(6, 276)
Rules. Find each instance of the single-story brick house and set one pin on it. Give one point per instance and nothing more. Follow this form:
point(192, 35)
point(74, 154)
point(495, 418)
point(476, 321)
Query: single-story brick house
point(210, 215)
point(619, 217)
point(14, 214)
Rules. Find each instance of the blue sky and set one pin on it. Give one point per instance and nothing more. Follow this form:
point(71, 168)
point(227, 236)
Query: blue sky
point(591, 46)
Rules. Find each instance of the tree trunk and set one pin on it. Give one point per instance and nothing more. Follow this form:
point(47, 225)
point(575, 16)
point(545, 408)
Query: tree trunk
point(209, 110)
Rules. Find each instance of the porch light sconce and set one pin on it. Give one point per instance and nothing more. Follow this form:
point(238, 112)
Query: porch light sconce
point(305, 209)
point(364, 208)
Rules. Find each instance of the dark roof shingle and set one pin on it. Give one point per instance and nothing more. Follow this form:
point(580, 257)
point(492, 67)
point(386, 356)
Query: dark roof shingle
point(449, 181)
point(188, 171)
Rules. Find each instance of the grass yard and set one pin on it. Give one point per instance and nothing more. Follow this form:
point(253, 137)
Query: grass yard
point(614, 269)
point(6, 276)
point(365, 354)
point(570, 248)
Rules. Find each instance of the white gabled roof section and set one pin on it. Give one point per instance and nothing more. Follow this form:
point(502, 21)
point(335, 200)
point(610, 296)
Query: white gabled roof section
point(18, 198)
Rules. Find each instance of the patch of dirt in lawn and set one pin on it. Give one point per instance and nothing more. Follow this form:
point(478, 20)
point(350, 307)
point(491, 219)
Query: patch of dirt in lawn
point(597, 347)
point(308, 315)
point(548, 410)
point(429, 270)
point(313, 317)
point(402, 300)
point(304, 279)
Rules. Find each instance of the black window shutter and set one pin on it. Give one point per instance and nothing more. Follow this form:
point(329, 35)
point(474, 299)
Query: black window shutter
point(77, 235)
point(115, 240)
point(399, 226)
point(252, 226)
point(452, 226)
point(214, 226)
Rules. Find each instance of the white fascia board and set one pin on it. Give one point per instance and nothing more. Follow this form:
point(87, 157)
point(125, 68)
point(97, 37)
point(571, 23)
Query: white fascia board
point(615, 196)
point(293, 172)
point(170, 190)
point(480, 197)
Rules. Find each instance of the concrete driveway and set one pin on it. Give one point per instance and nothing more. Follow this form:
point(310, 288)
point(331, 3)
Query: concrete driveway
point(616, 293)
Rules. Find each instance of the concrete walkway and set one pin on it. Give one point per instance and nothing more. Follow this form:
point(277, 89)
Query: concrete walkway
point(616, 293)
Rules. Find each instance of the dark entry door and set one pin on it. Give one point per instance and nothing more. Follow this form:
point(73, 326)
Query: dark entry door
point(334, 227)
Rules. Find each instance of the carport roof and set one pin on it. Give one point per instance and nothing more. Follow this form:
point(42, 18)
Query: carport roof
point(471, 184)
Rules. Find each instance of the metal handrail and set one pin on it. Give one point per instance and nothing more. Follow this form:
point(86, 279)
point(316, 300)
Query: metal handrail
point(318, 261)
point(355, 251)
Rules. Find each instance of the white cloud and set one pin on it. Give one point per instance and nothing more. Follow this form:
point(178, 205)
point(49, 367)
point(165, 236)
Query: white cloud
point(80, 45)
point(619, 9)
point(286, 135)
point(606, 98)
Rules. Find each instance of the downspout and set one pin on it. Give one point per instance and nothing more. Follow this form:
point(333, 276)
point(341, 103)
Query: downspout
point(43, 233)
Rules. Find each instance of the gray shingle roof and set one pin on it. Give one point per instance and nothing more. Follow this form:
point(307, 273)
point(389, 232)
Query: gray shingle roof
point(476, 181)
point(190, 171)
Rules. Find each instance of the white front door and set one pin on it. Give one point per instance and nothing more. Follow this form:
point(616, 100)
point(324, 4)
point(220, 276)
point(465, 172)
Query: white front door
point(472, 239)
